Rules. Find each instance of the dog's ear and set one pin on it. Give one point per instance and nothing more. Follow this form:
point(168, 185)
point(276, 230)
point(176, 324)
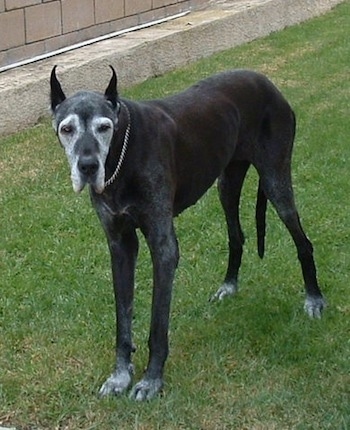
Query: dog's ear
point(111, 92)
point(57, 95)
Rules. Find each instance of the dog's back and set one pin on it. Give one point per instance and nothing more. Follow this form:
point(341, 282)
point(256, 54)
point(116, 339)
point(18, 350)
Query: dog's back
point(234, 115)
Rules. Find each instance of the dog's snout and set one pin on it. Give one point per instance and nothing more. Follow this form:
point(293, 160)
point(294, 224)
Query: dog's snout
point(88, 165)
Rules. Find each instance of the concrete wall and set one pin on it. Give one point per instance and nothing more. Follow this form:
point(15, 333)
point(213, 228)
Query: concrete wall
point(33, 27)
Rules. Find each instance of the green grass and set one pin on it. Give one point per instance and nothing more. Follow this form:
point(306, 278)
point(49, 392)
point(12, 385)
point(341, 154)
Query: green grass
point(253, 362)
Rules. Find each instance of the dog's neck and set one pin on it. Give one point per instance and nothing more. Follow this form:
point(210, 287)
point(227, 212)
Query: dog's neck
point(124, 148)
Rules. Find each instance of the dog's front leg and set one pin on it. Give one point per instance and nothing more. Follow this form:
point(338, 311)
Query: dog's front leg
point(163, 245)
point(123, 251)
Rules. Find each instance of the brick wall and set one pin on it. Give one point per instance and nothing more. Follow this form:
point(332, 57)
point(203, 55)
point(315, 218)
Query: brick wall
point(33, 27)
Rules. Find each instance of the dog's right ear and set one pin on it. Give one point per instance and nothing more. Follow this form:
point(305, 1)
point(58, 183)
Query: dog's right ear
point(111, 92)
point(57, 95)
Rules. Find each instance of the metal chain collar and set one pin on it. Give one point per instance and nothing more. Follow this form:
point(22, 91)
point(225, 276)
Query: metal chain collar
point(124, 149)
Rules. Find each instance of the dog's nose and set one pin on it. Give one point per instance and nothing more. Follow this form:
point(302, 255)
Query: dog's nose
point(88, 165)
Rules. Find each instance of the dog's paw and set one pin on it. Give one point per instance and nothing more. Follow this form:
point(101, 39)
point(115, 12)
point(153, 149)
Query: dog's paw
point(146, 389)
point(225, 290)
point(117, 383)
point(314, 306)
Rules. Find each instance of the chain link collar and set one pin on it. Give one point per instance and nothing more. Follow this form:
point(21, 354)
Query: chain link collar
point(124, 149)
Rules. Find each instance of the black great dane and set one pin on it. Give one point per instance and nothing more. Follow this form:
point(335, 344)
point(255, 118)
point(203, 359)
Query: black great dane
point(146, 162)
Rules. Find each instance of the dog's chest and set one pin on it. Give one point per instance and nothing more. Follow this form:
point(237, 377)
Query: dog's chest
point(120, 211)
point(115, 210)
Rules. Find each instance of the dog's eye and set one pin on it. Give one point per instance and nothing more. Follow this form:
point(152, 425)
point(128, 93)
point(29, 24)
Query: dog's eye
point(103, 128)
point(67, 129)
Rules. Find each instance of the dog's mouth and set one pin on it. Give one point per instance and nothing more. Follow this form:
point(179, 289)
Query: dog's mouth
point(99, 188)
point(78, 188)
point(81, 179)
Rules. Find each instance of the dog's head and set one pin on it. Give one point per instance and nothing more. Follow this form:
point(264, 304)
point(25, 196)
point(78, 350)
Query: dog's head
point(85, 124)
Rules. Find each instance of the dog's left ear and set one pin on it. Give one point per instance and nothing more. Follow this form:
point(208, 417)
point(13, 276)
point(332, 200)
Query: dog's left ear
point(57, 94)
point(111, 92)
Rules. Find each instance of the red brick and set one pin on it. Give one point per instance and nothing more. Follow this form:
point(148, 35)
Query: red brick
point(108, 10)
point(11, 29)
point(76, 15)
point(43, 21)
point(16, 4)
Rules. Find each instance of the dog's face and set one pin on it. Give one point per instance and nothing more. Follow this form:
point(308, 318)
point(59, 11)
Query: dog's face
point(85, 124)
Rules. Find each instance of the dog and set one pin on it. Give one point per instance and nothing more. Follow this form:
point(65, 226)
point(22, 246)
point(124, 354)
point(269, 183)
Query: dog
point(146, 162)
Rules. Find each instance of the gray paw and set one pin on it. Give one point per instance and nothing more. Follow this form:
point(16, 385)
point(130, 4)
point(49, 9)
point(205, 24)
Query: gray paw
point(225, 290)
point(117, 383)
point(146, 389)
point(314, 306)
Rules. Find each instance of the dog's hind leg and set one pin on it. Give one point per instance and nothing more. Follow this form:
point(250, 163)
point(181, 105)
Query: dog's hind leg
point(277, 185)
point(230, 185)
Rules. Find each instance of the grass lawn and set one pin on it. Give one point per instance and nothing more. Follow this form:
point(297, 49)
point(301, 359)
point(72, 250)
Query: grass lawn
point(253, 362)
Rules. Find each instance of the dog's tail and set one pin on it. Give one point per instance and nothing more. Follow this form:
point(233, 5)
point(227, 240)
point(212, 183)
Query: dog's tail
point(260, 218)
